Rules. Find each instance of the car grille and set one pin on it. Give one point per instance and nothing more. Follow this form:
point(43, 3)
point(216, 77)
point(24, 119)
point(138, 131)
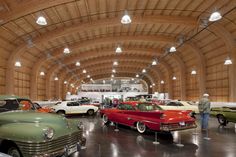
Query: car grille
point(49, 148)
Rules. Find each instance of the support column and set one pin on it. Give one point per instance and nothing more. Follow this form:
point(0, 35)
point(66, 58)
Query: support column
point(232, 77)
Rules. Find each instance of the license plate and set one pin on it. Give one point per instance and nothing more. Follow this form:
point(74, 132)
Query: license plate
point(182, 123)
point(72, 149)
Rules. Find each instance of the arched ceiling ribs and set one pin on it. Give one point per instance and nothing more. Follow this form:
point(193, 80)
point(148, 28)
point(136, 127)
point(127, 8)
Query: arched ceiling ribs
point(109, 22)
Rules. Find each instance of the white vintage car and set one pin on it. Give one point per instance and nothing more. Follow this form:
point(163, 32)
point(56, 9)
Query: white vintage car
point(180, 105)
point(73, 107)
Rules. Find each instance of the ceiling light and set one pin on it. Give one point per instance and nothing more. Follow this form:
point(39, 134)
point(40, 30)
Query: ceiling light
point(118, 49)
point(115, 63)
point(18, 64)
point(65, 82)
point(126, 18)
point(144, 70)
point(66, 50)
point(215, 16)
point(137, 75)
point(88, 76)
point(228, 61)
point(111, 79)
point(132, 79)
point(154, 62)
point(42, 73)
point(193, 72)
point(68, 93)
point(172, 49)
point(153, 84)
point(77, 63)
point(56, 78)
point(77, 88)
point(84, 71)
point(72, 85)
point(112, 75)
point(174, 78)
point(91, 79)
point(162, 82)
point(104, 81)
point(41, 21)
point(150, 86)
point(114, 70)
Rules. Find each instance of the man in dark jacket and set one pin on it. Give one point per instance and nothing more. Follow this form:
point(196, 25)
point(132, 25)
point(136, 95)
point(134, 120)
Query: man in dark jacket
point(204, 109)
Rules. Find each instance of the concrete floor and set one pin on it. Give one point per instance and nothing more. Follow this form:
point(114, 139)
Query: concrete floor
point(103, 141)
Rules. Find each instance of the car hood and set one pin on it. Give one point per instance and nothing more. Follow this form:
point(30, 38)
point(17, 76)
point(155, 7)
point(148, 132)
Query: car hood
point(32, 117)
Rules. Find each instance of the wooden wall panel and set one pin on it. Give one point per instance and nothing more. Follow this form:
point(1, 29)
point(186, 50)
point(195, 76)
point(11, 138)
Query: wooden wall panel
point(41, 88)
point(22, 83)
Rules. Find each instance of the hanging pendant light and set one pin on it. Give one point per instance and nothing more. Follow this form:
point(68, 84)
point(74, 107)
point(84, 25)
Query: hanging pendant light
point(115, 63)
point(65, 82)
point(228, 61)
point(137, 75)
point(77, 63)
point(112, 75)
point(144, 70)
point(114, 70)
point(17, 64)
point(84, 71)
point(162, 82)
point(88, 76)
point(193, 72)
point(66, 50)
point(56, 79)
point(42, 73)
point(41, 21)
point(118, 49)
point(154, 62)
point(172, 49)
point(174, 78)
point(126, 18)
point(215, 16)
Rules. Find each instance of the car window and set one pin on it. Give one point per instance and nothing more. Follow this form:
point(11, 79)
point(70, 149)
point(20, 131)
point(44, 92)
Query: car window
point(9, 105)
point(25, 104)
point(76, 103)
point(148, 107)
point(69, 104)
point(172, 104)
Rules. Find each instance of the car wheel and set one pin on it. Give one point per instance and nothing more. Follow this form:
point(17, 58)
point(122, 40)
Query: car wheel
point(105, 119)
point(222, 120)
point(90, 112)
point(14, 152)
point(61, 112)
point(141, 127)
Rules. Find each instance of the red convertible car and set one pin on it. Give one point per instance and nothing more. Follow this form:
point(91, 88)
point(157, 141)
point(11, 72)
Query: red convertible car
point(144, 115)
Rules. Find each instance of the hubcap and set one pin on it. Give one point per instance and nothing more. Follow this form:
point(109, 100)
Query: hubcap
point(14, 152)
point(141, 127)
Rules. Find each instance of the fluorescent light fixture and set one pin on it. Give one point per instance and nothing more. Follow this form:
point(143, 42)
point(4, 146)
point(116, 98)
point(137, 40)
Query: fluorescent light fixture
point(228, 61)
point(118, 49)
point(215, 16)
point(193, 72)
point(144, 70)
point(42, 73)
point(154, 62)
point(84, 71)
point(17, 64)
point(66, 50)
point(56, 78)
point(88, 76)
point(126, 18)
point(172, 49)
point(162, 82)
point(65, 82)
point(41, 21)
point(115, 63)
point(174, 78)
point(137, 75)
point(114, 70)
point(77, 63)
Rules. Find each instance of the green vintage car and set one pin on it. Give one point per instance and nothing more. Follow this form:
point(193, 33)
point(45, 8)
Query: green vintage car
point(34, 134)
point(224, 114)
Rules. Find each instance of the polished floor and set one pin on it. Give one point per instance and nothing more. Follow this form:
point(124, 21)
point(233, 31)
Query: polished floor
point(104, 141)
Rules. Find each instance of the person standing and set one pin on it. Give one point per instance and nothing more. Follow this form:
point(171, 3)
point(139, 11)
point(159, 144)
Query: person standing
point(204, 110)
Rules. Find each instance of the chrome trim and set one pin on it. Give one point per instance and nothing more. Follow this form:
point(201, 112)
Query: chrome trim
point(49, 148)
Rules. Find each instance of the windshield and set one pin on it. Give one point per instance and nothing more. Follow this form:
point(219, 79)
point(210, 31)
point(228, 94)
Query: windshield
point(148, 107)
point(25, 104)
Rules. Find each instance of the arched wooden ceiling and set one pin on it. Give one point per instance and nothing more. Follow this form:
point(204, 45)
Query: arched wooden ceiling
point(92, 30)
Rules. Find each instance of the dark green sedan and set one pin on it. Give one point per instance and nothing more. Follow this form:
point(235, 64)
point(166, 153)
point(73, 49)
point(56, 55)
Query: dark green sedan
point(224, 114)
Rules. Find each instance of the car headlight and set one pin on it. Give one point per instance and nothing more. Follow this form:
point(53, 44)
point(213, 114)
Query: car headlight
point(80, 125)
point(48, 133)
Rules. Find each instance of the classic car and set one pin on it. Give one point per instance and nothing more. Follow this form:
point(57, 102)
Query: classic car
point(30, 133)
point(8, 103)
point(180, 105)
point(42, 109)
point(73, 107)
point(145, 115)
point(224, 114)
